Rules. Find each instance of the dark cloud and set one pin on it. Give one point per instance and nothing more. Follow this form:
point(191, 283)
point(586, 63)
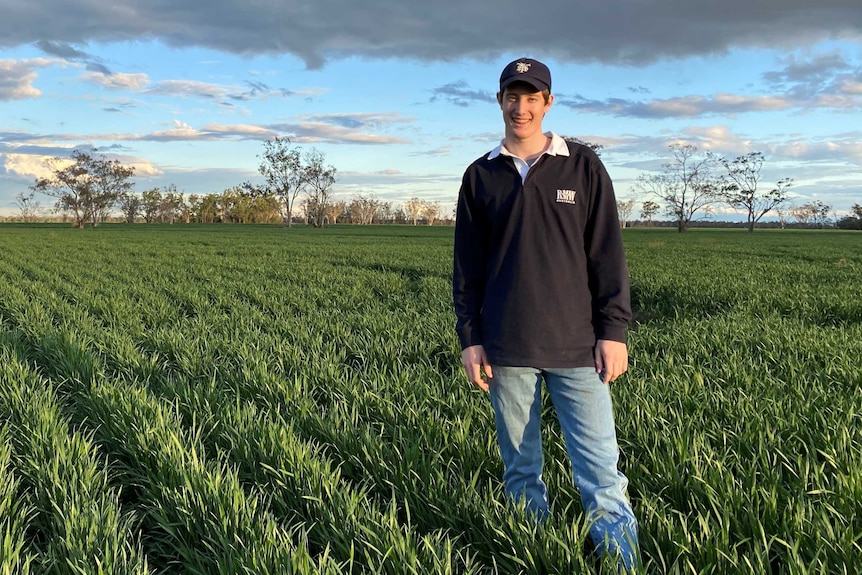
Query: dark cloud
point(842, 92)
point(67, 52)
point(98, 68)
point(460, 94)
point(813, 69)
point(369, 120)
point(113, 148)
point(805, 78)
point(621, 31)
point(61, 50)
point(34, 149)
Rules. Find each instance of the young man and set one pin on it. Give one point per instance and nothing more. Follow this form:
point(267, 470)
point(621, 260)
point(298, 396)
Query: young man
point(541, 292)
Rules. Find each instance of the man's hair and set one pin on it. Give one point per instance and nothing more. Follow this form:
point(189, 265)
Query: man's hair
point(546, 94)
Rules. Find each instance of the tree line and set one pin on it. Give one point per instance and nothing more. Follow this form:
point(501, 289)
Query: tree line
point(693, 183)
point(297, 186)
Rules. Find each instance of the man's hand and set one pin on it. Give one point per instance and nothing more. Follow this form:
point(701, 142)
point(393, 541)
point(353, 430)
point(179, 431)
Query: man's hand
point(612, 359)
point(476, 366)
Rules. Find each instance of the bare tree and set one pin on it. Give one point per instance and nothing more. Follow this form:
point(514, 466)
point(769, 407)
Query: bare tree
point(820, 213)
point(688, 185)
point(385, 213)
point(414, 207)
point(814, 213)
point(739, 189)
point(335, 211)
point(648, 211)
point(624, 211)
point(431, 211)
point(781, 214)
point(802, 214)
point(319, 179)
point(286, 176)
point(28, 207)
point(363, 209)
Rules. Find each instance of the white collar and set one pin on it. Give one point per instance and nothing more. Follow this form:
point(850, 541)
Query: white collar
point(558, 147)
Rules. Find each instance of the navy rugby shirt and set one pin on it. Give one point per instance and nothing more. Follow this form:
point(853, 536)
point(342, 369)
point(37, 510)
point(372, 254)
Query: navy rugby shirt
point(539, 267)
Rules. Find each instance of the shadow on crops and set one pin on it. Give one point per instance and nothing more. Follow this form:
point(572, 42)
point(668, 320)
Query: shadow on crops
point(664, 304)
point(411, 273)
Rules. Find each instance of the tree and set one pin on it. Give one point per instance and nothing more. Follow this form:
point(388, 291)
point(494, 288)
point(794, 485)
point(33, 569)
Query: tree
point(802, 214)
point(431, 211)
point(781, 214)
point(319, 179)
point(857, 211)
point(820, 213)
point(648, 210)
point(130, 205)
point(335, 211)
point(687, 186)
point(813, 213)
point(849, 223)
point(624, 211)
point(85, 186)
point(194, 204)
point(739, 190)
point(385, 213)
point(209, 210)
point(172, 204)
point(151, 200)
point(109, 181)
point(28, 207)
point(286, 176)
point(414, 207)
point(363, 209)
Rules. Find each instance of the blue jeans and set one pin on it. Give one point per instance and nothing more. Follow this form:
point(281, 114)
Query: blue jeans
point(584, 409)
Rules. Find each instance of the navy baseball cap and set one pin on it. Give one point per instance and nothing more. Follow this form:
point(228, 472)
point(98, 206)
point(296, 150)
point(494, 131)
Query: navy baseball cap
point(526, 70)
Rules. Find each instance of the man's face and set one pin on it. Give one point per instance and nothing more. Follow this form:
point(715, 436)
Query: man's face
point(523, 110)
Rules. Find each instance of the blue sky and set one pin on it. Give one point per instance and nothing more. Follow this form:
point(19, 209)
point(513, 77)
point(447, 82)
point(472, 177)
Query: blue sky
point(400, 96)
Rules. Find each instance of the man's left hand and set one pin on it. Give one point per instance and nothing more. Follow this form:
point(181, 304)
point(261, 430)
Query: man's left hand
point(612, 359)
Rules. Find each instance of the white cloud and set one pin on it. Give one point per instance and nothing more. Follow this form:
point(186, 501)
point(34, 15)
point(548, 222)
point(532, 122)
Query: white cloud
point(143, 168)
point(239, 130)
point(851, 87)
point(314, 132)
point(188, 88)
point(41, 166)
point(17, 77)
point(133, 82)
point(37, 166)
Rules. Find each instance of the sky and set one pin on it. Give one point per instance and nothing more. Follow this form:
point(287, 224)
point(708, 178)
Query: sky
point(400, 95)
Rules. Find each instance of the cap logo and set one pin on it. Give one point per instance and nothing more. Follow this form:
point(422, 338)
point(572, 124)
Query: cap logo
point(522, 67)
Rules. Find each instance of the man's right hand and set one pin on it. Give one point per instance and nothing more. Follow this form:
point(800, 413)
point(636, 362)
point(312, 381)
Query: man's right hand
point(476, 366)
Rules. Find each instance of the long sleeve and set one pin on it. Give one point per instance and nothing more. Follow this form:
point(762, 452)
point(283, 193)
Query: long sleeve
point(606, 263)
point(468, 274)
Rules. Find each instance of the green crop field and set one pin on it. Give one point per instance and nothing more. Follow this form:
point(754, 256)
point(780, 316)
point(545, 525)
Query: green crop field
point(241, 399)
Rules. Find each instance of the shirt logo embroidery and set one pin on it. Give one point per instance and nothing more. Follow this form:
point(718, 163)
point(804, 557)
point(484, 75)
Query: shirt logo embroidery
point(566, 196)
point(522, 67)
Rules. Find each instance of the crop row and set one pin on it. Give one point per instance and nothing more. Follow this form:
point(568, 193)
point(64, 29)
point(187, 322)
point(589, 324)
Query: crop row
point(259, 399)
